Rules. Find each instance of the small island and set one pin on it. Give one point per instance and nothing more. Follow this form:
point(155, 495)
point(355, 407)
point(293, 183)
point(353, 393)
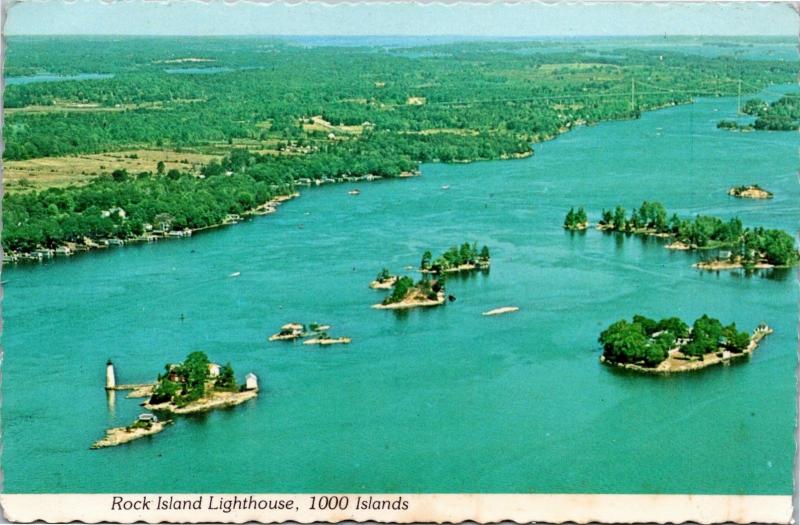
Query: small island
point(315, 334)
point(198, 385)
point(289, 332)
point(752, 191)
point(465, 258)
point(323, 339)
point(407, 294)
point(779, 115)
point(383, 281)
point(145, 425)
point(576, 220)
point(671, 346)
point(732, 125)
point(736, 246)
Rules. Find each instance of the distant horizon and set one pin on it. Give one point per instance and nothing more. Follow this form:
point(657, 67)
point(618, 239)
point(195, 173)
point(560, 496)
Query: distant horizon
point(306, 19)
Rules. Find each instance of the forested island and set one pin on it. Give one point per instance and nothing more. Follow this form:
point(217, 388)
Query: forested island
point(670, 345)
point(195, 385)
point(576, 220)
point(739, 247)
point(780, 115)
point(464, 258)
point(198, 385)
point(408, 294)
point(751, 191)
point(141, 152)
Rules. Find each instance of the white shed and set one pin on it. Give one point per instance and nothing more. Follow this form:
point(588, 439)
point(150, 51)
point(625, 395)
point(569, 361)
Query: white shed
point(250, 382)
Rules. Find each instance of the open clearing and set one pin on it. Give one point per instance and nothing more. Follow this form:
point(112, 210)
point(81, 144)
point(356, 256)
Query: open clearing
point(48, 172)
point(317, 123)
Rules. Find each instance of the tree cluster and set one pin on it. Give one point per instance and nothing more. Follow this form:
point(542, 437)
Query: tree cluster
point(191, 380)
point(750, 245)
point(576, 220)
point(646, 342)
point(455, 256)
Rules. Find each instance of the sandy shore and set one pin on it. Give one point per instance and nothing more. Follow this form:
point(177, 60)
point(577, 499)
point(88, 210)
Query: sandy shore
point(384, 285)
point(122, 435)
point(502, 310)
point(468, 267)
point(289, 332)
point(412, 303)
point(578, 227)
point(141, 391)
point(676, 362)
point(728, 265)
point(678, 245)
point(216, 400)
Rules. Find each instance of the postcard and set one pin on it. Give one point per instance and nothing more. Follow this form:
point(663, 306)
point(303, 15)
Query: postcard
point(399, 262)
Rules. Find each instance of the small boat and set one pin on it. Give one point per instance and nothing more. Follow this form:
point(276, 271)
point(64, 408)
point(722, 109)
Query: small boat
point(445, 186)
point(502, 310)
point(235, 274)
point(354, 192)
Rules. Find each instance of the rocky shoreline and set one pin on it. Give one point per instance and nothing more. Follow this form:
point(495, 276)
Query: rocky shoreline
point(385, 284)
point(215, 400)
point(753, 191)
point(413, 302)
point(121, 435)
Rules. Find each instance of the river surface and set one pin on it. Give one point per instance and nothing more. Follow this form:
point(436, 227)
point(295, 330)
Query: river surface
point(47, 77)
point(438, 400)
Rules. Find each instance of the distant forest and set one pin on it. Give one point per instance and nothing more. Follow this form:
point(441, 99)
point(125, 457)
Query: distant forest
point(277, 111)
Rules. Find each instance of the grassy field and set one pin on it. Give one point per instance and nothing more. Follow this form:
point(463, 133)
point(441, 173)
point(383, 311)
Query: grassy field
point(48, 172)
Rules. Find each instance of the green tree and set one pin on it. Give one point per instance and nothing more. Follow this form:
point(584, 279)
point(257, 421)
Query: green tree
point(226, 379)
point(425, 263)
point(400, 290)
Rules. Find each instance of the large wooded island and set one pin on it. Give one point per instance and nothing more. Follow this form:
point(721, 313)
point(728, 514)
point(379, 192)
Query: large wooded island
point(671, 346)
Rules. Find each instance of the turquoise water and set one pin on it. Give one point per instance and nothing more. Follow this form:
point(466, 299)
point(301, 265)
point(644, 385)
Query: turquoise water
point(440, 400)
point(197, 70)
point(47, 77)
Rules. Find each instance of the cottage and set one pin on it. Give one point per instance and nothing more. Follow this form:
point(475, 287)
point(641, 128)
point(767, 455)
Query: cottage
point(213, 370)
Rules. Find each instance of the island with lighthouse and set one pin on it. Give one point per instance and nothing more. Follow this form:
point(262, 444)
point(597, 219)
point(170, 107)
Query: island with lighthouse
point(193, 386)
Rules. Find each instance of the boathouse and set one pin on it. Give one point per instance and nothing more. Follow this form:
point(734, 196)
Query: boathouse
point(148, 418)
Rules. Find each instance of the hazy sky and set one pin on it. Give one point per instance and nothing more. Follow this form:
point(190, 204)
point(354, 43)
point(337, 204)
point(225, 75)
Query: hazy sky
point(399, 18)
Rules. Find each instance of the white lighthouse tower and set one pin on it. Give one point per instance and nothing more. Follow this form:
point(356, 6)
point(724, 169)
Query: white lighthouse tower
point(111, 381)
